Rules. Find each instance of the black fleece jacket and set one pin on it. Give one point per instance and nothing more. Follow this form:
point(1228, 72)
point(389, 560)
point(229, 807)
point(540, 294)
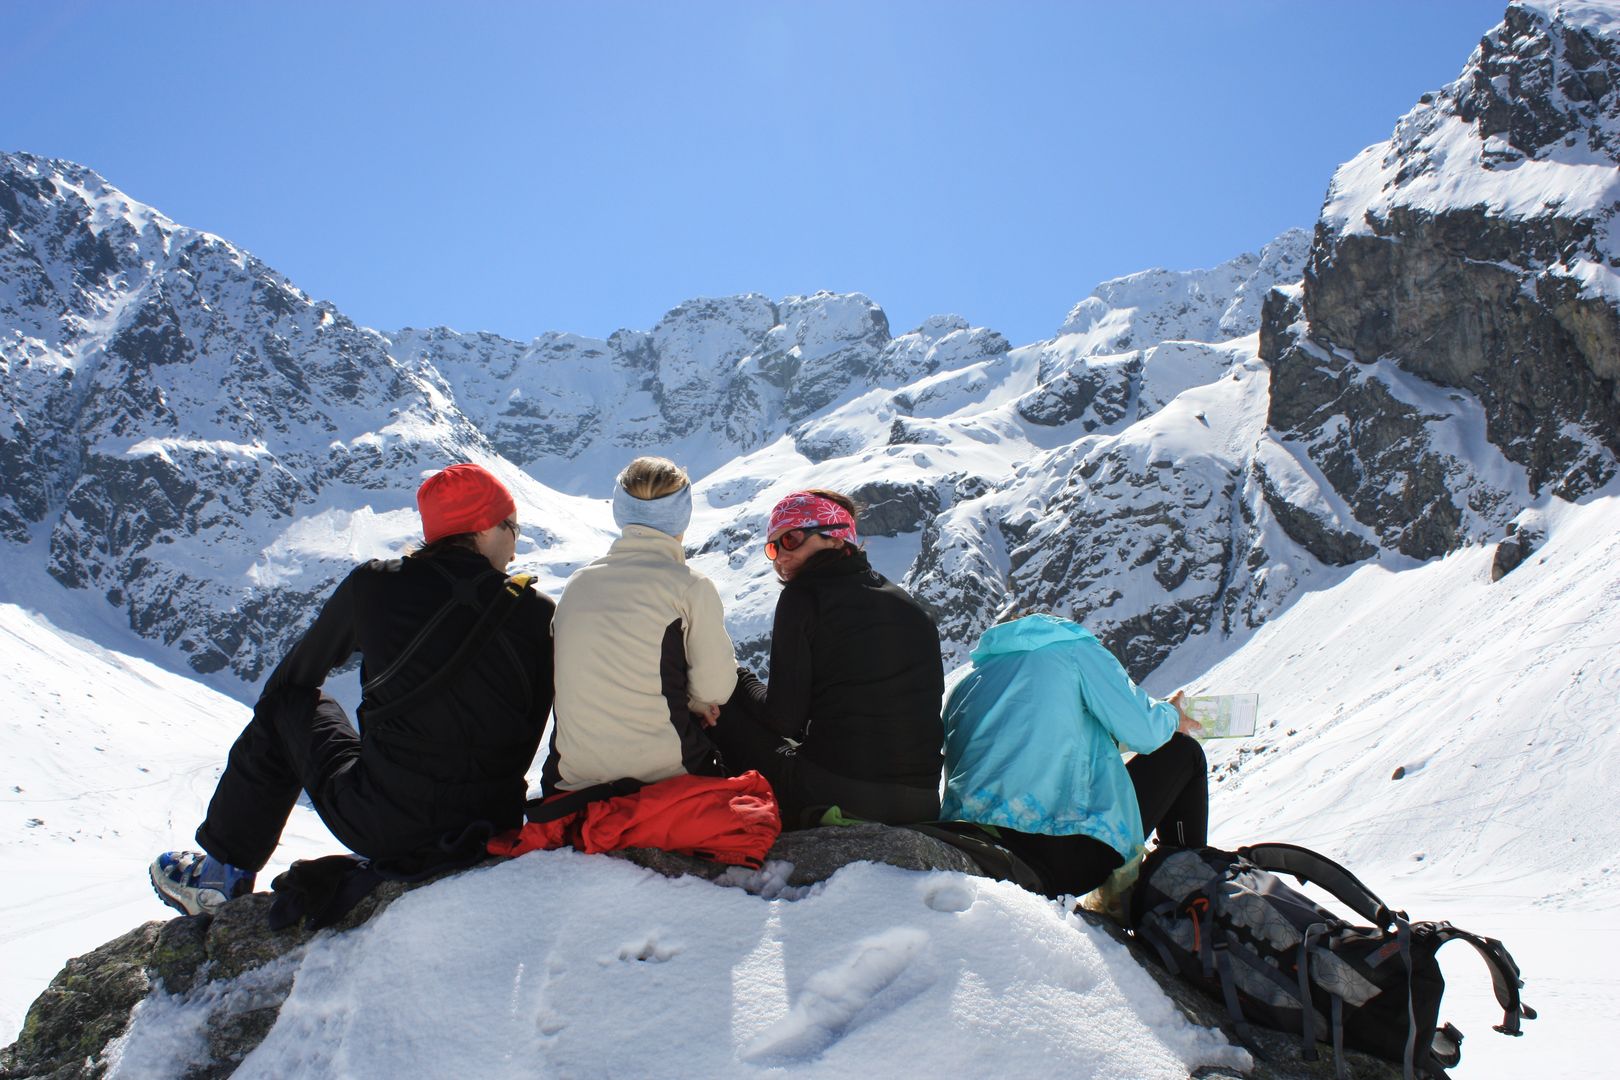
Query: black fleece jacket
point(461, 754)
point(856, 674)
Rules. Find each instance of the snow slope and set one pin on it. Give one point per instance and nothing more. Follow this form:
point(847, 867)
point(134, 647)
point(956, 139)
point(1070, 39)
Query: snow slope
point(109, 759)
point(1454, 742)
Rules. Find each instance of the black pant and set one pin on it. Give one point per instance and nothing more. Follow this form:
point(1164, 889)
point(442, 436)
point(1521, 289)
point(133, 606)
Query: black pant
point(301, 743)
point(304, 742)
point(1172, 791)
point(804, 789)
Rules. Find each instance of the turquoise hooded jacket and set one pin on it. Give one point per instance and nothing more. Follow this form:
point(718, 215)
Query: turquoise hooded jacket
point(1033, 734)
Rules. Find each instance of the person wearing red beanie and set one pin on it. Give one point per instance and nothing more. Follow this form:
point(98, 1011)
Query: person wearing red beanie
point(456, 685)
point(462, 499)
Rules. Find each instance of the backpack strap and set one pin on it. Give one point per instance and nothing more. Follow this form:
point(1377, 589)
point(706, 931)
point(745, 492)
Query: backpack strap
point(1403, 936)
point(1505, 978)
point(1308, 866)
point(539, 811)
point(1302, 967)
point(990, 857)
point(499, 609)
point(463, 593)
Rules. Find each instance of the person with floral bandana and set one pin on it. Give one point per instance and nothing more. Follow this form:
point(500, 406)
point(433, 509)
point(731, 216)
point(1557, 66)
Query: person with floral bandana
point(850, 718)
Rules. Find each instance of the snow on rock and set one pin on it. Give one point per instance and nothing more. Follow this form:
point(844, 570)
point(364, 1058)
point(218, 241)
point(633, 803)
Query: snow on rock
point(1530, 129)
point(1143, 309)
point(564, 964)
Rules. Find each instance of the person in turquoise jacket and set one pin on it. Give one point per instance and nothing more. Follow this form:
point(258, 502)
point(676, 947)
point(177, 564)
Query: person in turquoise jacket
point(1032, 747)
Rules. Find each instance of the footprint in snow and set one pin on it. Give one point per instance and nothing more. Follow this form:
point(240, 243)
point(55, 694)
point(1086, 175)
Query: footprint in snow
point(550, 1024)
point(648, 951)
point(949, 896)
point(841, 998)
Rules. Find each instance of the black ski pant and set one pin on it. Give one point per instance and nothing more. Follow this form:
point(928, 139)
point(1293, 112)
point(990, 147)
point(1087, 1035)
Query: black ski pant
point(804, 789)
point(1172, 791)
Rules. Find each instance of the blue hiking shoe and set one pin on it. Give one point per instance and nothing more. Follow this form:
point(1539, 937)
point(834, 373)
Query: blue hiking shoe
point(195, 884)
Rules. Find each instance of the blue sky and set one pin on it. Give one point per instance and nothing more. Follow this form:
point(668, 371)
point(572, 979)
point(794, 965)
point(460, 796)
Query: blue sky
point(530, 167)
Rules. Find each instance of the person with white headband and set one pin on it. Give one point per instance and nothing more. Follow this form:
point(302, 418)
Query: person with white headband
point(643, 658)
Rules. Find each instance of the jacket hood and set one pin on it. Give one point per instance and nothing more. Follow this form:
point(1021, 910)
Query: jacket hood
point(1026, 635)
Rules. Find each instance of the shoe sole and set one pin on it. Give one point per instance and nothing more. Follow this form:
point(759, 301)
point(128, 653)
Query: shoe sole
point(171, 901)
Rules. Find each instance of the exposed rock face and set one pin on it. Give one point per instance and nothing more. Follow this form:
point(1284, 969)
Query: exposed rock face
point(888, 509)
point(1514, 549)
point(1476, 249)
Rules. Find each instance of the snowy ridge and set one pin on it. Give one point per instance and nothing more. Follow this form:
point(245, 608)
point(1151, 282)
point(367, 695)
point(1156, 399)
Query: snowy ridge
point(1140, 310)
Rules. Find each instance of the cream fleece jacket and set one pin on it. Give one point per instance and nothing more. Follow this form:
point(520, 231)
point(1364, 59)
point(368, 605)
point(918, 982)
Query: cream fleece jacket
point(631, 629)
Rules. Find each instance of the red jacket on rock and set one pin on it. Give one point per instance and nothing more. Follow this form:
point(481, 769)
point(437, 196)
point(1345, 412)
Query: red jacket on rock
point(727, 819)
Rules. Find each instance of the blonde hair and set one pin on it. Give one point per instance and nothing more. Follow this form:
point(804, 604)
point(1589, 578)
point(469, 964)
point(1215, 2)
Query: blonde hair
point(653, 478)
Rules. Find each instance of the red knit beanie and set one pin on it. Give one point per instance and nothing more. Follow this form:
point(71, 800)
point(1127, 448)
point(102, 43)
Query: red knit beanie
point(462, 499)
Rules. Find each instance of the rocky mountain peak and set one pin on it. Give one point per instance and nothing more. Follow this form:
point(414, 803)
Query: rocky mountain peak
point(1547, 77)
point(1477, 250)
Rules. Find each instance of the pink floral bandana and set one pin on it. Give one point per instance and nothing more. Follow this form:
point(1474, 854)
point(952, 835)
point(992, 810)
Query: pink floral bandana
point(802, 510)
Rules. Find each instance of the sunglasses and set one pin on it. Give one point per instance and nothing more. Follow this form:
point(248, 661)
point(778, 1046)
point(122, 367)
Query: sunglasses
point(794, 539)
point(511, 525)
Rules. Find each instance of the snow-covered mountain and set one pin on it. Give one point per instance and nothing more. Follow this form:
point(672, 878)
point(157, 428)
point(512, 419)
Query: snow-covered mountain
point(1477, 250)
point(207, 447)
point(191, 437)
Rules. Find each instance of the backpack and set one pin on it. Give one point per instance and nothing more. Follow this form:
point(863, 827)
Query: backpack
point(1226, 923)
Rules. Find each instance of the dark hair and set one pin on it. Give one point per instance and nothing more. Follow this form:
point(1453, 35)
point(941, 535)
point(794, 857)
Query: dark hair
point(465, 540)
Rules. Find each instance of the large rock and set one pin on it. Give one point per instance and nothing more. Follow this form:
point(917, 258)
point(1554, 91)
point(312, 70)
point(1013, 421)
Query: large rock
point(89, 1004)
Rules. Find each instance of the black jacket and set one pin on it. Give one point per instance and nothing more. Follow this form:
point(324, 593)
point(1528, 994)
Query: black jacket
point(856, 674)
point(460, 755)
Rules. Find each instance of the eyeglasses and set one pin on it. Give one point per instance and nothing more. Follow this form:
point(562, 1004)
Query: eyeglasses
point(511, 525)
point(794, 539)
